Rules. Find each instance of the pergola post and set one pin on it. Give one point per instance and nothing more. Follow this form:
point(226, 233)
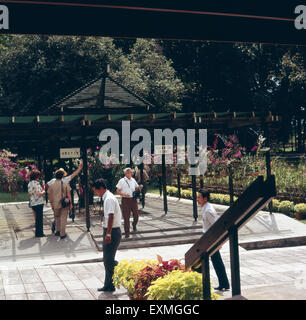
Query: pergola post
point(194, 197)
point(179, 185)
point(86, 191)
point(234, 256)
point(206, 277)
point(164, 183)
point(72, 192)
point(45, 175)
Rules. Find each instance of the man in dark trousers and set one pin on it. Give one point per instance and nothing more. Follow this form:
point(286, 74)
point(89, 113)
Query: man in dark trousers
point(209, 216)
point(111, 233)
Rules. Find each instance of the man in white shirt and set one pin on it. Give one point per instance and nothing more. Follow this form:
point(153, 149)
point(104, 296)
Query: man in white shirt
point(111, 233)
point(125, 188)
point(209, 216)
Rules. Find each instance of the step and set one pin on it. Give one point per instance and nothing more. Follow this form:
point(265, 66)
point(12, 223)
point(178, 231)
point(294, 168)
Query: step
point(155, 241)
point(158, 230)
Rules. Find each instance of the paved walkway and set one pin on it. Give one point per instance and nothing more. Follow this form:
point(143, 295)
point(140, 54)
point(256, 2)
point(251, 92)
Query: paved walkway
point(29, 267)
point(265, 274)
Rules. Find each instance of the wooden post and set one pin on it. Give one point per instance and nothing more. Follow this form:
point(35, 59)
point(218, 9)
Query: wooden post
point(164, 183)
point(72, 192)
point(206, 277)
point(160, 185)
point(194, 197)
point(179, 185)
point(201, 181)
point(234, 256)
point(268, 170)
point(45, 176)
point(231, 184)
point(86, 193)
point(142, 191)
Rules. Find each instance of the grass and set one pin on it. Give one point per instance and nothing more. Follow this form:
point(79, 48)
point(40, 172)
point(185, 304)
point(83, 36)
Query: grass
point(7, 197)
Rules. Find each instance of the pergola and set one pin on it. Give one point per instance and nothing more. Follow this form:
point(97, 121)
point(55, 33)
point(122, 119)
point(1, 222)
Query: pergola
point(77, 120)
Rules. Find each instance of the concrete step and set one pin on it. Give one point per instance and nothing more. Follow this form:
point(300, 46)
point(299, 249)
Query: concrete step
point(155, 238)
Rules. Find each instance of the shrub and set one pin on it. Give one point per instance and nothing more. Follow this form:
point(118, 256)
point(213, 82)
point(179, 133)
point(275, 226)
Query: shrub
point(172, 191)
point(178, 285)
point(187, 194)
point(151, 273)
point(300, 208)
point(126, 271)
point(286, 207)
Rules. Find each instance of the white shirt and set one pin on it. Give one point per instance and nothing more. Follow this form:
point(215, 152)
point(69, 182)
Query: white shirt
point(209, 216)
point(65, 180)
point(126, 185)
point(34, 188)
point(111, 205)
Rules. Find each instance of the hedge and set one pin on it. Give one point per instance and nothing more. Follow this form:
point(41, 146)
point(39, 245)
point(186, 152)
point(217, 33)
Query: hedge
point(219, 198)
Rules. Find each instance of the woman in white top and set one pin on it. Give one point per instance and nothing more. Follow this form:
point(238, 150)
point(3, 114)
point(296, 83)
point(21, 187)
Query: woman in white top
point(36, 193)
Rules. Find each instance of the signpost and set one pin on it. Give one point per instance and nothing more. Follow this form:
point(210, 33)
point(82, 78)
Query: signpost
point(68, 153)
point(163, 150)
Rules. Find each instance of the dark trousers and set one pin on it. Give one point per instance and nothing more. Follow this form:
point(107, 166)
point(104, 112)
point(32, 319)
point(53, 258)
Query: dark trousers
point(39, 220)
point(219, 268)
point(109, 253)
point(128, 205)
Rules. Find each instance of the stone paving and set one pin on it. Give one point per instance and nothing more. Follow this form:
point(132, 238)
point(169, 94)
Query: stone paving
point(49, 268)
point(277, 273)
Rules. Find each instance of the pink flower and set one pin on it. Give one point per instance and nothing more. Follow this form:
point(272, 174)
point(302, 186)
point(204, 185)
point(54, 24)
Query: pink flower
point(238, 155)
point(254, 148)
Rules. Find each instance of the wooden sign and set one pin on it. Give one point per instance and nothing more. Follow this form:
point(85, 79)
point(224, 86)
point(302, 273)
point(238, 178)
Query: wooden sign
point(67, 153)
point(163, 149)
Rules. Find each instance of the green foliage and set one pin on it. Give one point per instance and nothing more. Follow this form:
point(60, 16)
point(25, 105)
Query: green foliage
point(150, 74)
point(150, 273)
point(37, 71)
point(286, 206)
point(125, 273)
point(300, 207)
point(178, 285)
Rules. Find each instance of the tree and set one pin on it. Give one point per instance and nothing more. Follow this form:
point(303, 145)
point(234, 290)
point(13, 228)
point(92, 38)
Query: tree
point(36, 71)
point(150, 74)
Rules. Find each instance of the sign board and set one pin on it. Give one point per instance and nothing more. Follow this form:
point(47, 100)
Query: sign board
point(67, 153)
point(163, 149)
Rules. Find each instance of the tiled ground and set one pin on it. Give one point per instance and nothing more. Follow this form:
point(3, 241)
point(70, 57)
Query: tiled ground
point(265, 274)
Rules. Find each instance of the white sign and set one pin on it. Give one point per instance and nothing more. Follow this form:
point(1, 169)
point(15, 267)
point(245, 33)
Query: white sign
point(163, 149)
point(66, 153)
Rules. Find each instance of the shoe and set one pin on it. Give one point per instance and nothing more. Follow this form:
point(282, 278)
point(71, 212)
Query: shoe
point(57, 233)
point(126, 235)
point(222, 288)
point(63, 237)
point(107, 289)
point(134, 228)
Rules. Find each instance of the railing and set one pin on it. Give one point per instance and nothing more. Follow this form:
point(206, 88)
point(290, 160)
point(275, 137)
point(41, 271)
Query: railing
point(254, 198)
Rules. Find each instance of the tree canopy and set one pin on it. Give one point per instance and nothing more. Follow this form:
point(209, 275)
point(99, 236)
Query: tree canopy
point(36, 71)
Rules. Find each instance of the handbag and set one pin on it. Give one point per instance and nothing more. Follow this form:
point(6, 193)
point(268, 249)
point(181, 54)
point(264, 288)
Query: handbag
point(65, 202)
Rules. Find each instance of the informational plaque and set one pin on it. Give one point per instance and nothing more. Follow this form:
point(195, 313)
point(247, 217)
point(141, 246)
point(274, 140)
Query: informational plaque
point(68, 153)
point(163, 149)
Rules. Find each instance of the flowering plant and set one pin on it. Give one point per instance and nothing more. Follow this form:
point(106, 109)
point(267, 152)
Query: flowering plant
point(11, 174)
point(150, 273)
